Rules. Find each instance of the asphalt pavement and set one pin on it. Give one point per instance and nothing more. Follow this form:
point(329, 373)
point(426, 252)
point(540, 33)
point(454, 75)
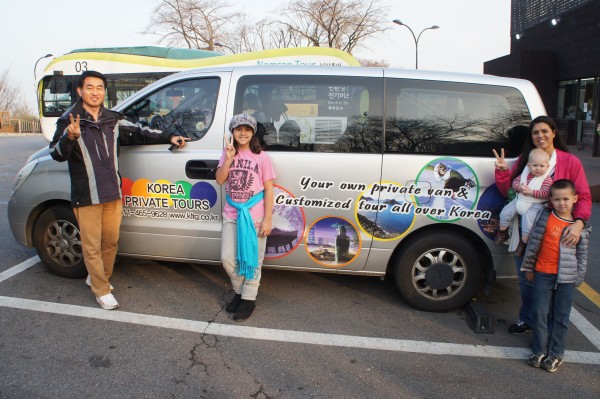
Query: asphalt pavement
point(312, 336)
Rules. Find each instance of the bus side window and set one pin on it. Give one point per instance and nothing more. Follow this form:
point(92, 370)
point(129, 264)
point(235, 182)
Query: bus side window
point(184, 108)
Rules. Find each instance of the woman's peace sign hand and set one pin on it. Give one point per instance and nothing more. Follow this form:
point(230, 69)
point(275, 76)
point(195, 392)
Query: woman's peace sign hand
point(500, 161)
point(73, 130)
point(229, 148)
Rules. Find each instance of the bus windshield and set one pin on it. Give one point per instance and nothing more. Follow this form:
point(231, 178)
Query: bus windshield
point(59, 92)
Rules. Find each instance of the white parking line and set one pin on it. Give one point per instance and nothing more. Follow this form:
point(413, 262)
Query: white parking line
point(303, 337)
point(269, 334)
point(586, 328)
point(19, 268)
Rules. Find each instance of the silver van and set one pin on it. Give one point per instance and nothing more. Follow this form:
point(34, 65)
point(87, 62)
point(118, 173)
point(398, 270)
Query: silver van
point(380, 172)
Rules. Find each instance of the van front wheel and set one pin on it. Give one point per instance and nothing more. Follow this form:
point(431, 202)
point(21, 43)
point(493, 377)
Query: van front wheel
point(56, 239)
point(437, 272)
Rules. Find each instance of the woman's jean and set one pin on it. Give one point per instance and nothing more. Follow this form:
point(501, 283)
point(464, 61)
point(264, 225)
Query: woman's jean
point(526, 290)
point(551, 310)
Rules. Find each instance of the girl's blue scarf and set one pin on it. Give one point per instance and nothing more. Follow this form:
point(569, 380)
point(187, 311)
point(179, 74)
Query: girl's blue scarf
point(247, 241)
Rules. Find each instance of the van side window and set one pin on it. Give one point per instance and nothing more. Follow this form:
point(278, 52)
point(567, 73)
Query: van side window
point(185, 107)
point(432, 117)
point(314, 113)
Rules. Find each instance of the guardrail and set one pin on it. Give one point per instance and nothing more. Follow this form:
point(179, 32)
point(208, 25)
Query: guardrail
point(22, 126)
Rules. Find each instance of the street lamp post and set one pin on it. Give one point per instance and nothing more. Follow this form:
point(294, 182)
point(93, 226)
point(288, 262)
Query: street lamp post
point(416, 38)
point(35, 66)
point(218, 44)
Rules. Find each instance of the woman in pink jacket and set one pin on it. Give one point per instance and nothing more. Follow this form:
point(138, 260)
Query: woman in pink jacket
point(544, 135)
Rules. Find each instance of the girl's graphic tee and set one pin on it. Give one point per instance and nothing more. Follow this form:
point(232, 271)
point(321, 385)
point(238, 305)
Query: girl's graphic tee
point(247, 174)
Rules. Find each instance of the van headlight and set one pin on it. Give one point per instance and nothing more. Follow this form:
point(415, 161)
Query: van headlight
point(23, 175)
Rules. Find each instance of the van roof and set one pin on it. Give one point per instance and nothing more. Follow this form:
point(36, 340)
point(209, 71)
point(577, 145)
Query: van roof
point(367, 71)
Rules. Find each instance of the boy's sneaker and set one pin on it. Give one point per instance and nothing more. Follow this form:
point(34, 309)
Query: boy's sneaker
point(107, 301)
point(233, 306)
point(552, 362)
point(244, 310)
point(88, 281)
point(519, 328)
point(535, 360)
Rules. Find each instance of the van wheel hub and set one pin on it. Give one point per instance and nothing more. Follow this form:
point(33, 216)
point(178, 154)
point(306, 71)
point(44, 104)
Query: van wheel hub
point(439, 276)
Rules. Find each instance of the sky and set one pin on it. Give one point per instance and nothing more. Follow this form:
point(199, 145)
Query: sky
point(471, 32)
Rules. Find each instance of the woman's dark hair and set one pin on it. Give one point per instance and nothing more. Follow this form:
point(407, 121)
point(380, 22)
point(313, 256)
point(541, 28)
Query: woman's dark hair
point(90, 74)
point(528, 145)
point(255, 145)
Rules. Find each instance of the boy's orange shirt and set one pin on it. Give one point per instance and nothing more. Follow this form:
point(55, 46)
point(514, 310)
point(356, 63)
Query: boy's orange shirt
point(547, 261)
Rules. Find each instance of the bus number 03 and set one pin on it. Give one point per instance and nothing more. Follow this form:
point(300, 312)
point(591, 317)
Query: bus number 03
point(81, 66)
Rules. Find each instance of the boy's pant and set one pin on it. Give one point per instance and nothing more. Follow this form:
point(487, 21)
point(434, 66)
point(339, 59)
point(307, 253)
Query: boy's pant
point(247, 288)
point(551, 310)
point(99, 231)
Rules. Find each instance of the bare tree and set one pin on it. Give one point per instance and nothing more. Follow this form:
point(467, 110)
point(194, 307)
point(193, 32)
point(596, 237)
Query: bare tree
point(341, 24)
point(198, 24)
point(12, 98)
point(373, 63)
point(262, 35)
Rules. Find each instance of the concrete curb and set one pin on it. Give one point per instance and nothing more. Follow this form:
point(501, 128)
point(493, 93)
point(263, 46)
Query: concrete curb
point(20, 134)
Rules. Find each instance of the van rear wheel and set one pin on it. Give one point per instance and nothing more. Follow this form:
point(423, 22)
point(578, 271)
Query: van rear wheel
point(438, 272)
point(56, 239)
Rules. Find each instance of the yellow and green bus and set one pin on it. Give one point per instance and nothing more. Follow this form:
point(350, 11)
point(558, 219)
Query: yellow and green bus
point(129, 69)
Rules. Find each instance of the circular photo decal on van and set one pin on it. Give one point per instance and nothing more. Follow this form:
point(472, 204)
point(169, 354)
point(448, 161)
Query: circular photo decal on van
point(288, 226)
point(332, 242)
point(448, 187)
point(385, 211)
point(492, 201)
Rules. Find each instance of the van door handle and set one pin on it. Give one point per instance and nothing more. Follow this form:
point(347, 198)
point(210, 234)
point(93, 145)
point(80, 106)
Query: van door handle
point(197, 169)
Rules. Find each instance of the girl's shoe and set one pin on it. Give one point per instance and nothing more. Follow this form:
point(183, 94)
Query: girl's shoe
point(244, 310)
point(233, 306)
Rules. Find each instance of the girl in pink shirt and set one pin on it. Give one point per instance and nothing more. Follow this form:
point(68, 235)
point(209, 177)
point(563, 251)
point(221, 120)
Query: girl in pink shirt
point(248, 176)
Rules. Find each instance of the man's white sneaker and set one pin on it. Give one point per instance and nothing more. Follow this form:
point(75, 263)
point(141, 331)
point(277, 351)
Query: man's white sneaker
point(107, 301)
point(88, 281)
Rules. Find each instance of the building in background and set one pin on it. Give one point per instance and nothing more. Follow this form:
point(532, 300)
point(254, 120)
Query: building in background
point(556, 45)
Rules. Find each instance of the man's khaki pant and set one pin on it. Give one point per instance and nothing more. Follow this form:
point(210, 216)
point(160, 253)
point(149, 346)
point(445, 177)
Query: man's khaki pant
point(99, 231)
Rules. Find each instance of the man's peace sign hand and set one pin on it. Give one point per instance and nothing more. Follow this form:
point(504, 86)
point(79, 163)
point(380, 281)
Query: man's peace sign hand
point(500, 161)
point(73, 130)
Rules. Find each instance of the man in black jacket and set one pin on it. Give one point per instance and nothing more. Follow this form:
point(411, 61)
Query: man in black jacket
point(88, 136)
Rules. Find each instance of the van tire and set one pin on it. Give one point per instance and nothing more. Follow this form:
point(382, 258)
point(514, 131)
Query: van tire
point(437, 272)
point(56, 239)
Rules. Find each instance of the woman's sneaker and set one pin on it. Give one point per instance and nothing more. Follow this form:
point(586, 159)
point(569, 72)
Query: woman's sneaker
point(535, 360)
point(519, 328)
point(551, 363)
point(107, 301)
